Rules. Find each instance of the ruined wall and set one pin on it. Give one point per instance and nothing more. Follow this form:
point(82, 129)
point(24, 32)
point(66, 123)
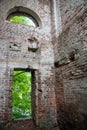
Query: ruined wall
point(71, 55)
point(59, 62)
point(70, 10)
point(14, 43)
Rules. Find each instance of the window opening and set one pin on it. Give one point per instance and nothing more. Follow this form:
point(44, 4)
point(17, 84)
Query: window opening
point(22, 18)
point(21, 94)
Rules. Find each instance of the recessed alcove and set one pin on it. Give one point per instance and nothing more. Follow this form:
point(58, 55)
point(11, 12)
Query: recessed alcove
point(33, 44)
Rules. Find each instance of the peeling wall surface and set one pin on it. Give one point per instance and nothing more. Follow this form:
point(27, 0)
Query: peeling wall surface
point(59, 61)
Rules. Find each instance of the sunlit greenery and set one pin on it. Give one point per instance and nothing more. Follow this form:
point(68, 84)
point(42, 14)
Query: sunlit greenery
point(22, 20)
point(21, 95)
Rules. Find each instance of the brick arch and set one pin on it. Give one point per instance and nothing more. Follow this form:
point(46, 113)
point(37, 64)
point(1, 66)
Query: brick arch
point(27, 11)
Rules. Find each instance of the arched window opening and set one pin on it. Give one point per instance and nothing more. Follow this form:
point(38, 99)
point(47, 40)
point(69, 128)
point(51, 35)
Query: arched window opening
point(22, 18)
point(25, 15)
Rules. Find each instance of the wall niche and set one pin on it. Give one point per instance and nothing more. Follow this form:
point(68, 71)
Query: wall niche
point(33, 44)
point(15, 46)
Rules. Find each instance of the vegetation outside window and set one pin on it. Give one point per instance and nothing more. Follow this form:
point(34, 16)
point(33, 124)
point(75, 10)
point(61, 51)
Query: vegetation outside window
point(21, 95)
point(22, 18)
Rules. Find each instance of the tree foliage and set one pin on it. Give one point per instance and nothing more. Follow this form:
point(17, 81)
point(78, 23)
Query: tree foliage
point(22, 20)
point(21, 94)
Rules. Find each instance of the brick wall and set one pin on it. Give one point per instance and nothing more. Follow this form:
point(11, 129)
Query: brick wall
point(59, 63)
point(41, 61)
point(71, 57)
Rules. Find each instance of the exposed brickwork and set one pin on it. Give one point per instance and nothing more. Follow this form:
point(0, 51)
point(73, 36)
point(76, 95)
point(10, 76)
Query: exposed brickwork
point(14, 53)
point(58, 60)
point(71, 55)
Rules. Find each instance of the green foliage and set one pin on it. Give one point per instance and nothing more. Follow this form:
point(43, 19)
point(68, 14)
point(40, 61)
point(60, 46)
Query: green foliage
point(21, 94)
point(22, 20)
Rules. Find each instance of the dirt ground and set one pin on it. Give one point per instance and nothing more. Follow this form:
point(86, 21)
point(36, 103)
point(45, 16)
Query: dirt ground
point(24, 125)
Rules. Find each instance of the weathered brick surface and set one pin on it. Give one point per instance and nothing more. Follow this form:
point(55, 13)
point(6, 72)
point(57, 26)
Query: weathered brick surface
point(71, 56)
point(14, 43)
point(70, 10)
point(59, 63)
